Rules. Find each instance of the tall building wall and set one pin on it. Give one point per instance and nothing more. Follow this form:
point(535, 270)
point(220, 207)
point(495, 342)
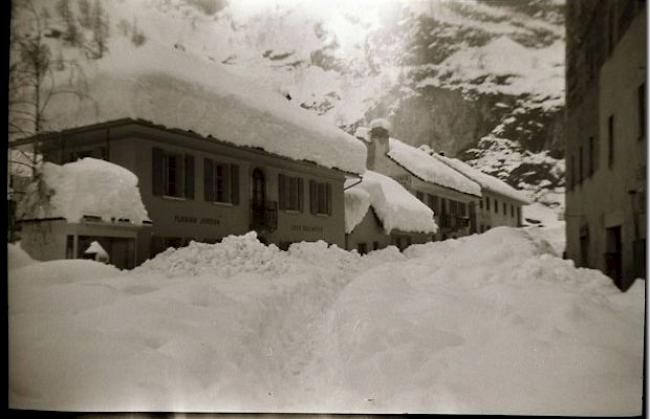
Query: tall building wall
point(606, 139)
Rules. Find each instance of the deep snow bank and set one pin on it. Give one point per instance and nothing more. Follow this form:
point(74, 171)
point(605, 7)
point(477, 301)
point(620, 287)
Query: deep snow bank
point(491, 323)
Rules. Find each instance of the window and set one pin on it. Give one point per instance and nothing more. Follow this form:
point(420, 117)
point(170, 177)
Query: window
point(220, 182)
point(487, 203)
point(641, 110)
point(463, 209)
point(580, 166)
point(505, 209)
point(375, 245)
point(173, 174)
point(480, 204)
point(433, 203)
point(362, 248)
point(320, 198)
point(518, 215)
point(290, 193)
point(592, 166)
point(453, 207)
point(610, 141)
point(512, 211)
point(496, 206)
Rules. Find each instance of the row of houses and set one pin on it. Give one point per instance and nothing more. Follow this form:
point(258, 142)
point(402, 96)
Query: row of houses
point(261, 167)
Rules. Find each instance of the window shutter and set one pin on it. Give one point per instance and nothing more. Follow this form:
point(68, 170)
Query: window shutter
point(234, 179)
point(301, 193)
point(208, 180)
point(157, 171)
point(189, 176)
point(282, 191)
point(328, 199)
point(313, 197)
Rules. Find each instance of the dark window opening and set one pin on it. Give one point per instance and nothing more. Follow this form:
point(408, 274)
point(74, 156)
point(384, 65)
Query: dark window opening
point(641, 111)
point(610, 140)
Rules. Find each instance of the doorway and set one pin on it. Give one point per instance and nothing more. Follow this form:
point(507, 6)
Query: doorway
point(613, 255)
point(258, 198)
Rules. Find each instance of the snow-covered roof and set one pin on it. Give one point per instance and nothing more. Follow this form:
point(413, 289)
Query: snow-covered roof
point(363, 133)
point(429, 169)
point(89, 187)
point(395, 206)
point(486, 181)
point(177, 89)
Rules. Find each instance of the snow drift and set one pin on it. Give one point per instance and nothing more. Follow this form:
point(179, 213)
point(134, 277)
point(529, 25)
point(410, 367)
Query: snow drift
point(85, 187)
point(395, 206)
point(490, 323)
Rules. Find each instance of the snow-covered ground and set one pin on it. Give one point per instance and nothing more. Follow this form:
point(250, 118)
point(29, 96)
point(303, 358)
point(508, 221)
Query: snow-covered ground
point(491, 323)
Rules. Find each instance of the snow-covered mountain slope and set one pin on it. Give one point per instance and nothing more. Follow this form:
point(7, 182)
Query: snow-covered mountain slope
point(481, 80)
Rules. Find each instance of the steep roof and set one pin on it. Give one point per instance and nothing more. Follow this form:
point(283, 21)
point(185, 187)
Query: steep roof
point(486, 181)
point(430, 169)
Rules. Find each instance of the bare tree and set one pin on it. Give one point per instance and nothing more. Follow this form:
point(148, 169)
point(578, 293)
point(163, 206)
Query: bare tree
point(33, 83)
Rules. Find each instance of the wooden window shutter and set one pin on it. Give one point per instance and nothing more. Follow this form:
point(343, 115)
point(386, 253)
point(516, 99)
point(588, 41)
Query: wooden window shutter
point(189, 176)
point(282, 191)
point(328, 199)
point(313, 197)
point(208, 180)
point(234, 182)
point(301, 195)
point(157, 176)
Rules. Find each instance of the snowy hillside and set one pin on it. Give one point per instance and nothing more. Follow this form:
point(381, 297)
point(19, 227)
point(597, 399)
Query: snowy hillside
point(491, 323)
point(481, 80)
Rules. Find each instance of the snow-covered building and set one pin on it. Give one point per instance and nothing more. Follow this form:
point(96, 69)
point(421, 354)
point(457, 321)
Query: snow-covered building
point(215, 154)
point(501, 203)
point(380, 212)
point(450, 195)
point(606, 137)
point(72, 206)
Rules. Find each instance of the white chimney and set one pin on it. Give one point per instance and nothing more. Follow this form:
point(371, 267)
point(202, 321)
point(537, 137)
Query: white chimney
point(378, 146)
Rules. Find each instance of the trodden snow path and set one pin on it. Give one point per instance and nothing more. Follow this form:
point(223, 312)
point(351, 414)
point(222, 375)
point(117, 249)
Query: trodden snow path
point(491, 323)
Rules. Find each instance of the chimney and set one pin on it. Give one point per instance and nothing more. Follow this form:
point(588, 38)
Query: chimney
point(378, 146)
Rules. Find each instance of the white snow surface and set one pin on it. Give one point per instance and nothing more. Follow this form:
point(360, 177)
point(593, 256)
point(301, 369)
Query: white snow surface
point(17, 257)
point(396, 207)
point(357, 204)
point(430, 169)
point(491, 323)
point(86, 187)
point(178, 89)
point(486, 181)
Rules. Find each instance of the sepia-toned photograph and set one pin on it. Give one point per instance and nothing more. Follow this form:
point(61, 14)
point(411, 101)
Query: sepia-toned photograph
point(327, 206)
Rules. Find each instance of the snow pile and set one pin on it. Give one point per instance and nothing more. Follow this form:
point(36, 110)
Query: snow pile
point(429, 169)
point(488, 182)
point(357, 202)
point(545, 222)
point(234, 254)
point(491, 323)
point(177, 89)
point(17, 257)
point(85, 187)
point(395, 206)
